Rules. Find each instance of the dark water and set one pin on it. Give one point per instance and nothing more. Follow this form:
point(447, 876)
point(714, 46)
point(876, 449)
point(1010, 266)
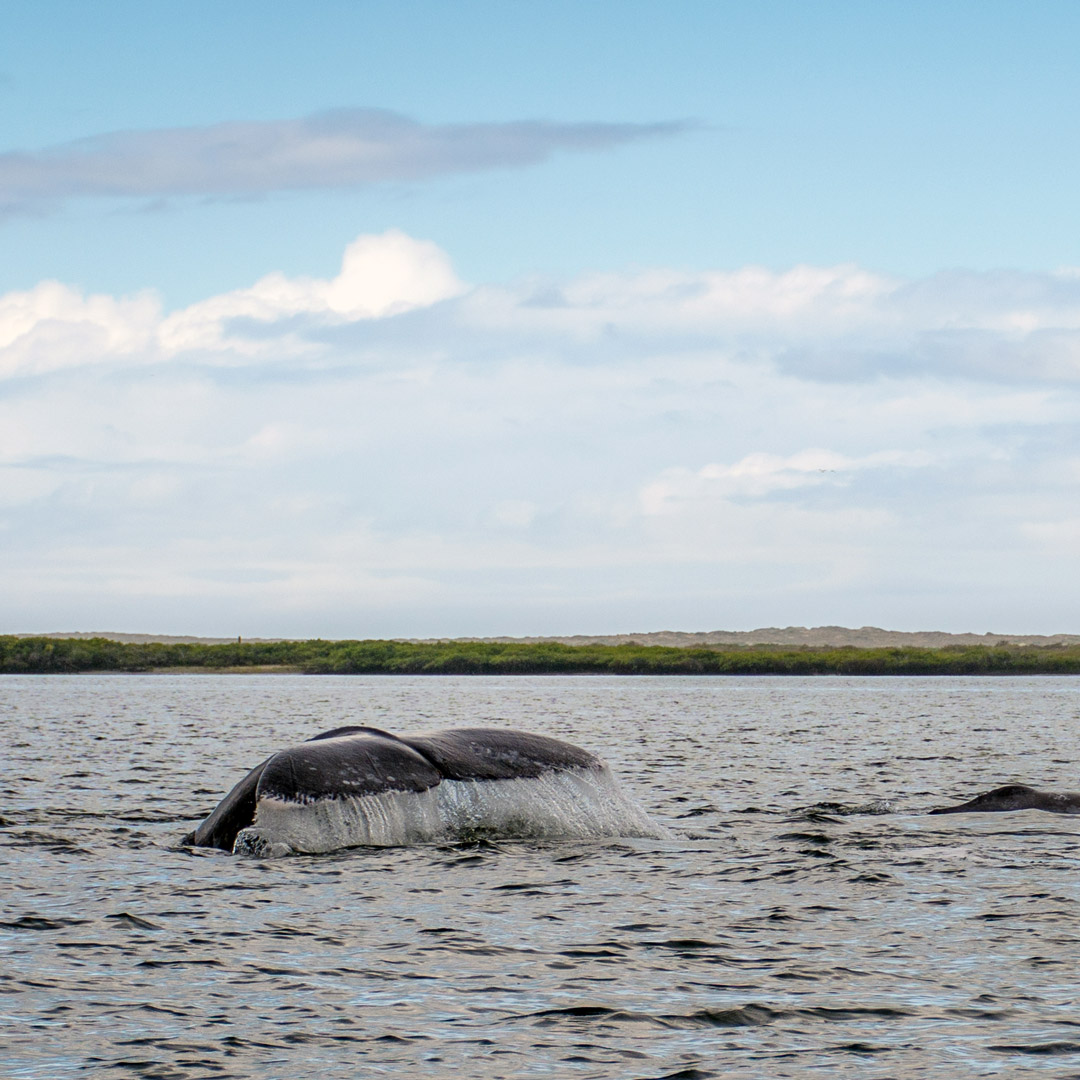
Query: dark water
point(768, 937)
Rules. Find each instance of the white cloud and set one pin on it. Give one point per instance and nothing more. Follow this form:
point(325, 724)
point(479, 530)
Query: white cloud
point(54, 326)
point(761, 474)
point(380, 276)
point(832, 323)
point(805, 299)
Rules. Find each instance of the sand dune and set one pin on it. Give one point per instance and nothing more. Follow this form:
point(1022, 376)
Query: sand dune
point(863, 637)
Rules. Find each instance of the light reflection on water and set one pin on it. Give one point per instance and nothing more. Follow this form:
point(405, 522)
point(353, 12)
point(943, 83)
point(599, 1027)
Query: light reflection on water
point(773, 934)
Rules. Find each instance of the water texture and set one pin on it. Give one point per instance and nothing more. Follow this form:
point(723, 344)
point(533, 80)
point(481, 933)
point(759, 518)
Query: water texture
point(803, 918)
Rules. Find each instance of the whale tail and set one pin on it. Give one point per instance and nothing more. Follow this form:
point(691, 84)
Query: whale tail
point(359, 785)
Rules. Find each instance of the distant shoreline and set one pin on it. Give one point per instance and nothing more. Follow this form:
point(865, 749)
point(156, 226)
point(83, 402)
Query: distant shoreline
point(67, 655)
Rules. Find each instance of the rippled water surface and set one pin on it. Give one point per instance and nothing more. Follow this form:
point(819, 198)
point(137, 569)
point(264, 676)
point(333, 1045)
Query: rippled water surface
point(775, 933)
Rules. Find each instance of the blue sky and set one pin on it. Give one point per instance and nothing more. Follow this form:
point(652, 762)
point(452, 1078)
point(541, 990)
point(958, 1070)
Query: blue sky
point(687, 316)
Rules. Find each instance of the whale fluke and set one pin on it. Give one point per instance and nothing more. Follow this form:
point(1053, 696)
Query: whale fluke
point(361, 785)
point(1017, 797)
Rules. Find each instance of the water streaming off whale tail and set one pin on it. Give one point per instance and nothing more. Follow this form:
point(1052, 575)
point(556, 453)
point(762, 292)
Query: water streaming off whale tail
point(576, 804)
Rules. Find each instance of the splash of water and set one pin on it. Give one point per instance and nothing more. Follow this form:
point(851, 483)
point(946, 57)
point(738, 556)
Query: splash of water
point(576, 804)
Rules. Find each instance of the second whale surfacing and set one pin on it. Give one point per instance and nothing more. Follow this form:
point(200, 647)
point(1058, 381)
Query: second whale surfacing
point(1017, 797)
point(357, 786)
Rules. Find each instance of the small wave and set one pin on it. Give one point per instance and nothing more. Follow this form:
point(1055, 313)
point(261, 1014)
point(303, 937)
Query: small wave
point(40, 922)
point(132, 922)
point(862, 1048)
point(684, 945)
point(1044, 1049)
point(746, 1016)
point(829, 811)
point(594, 1014)
point(752, 1014)
point(685, 1074)
point(697, 811)
point(47, 841)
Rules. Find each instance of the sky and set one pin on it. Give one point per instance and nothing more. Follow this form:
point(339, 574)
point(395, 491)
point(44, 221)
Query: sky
point(358, 319)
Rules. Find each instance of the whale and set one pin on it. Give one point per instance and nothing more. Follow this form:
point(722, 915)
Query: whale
point(363, 786)
point(1017, 797)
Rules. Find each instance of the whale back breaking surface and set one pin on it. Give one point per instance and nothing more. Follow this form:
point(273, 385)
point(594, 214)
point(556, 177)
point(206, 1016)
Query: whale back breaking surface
point(1017, 797)
point(357, 786)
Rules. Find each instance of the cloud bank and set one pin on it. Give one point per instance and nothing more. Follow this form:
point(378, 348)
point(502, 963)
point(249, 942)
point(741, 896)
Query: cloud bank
point(388, 450)
point(829, 324)
point(343, 148)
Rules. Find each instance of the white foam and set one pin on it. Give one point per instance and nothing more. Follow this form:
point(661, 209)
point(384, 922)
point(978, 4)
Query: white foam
point(576, 804)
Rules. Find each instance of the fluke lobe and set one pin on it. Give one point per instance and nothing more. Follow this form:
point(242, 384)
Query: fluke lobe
point(363, 786)
point(1017, 797)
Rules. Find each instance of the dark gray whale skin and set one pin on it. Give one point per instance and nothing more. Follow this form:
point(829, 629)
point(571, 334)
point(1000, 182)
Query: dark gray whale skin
point(357, 761)
point(1017, 797)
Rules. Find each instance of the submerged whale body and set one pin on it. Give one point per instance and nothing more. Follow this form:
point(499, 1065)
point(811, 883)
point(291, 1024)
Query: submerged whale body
point(1017, 797)
point(363, 786)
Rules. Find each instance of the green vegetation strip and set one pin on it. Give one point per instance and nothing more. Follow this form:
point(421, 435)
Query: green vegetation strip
point(29, 655)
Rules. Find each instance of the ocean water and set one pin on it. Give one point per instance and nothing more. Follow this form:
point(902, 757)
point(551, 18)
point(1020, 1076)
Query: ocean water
point(802, 918)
